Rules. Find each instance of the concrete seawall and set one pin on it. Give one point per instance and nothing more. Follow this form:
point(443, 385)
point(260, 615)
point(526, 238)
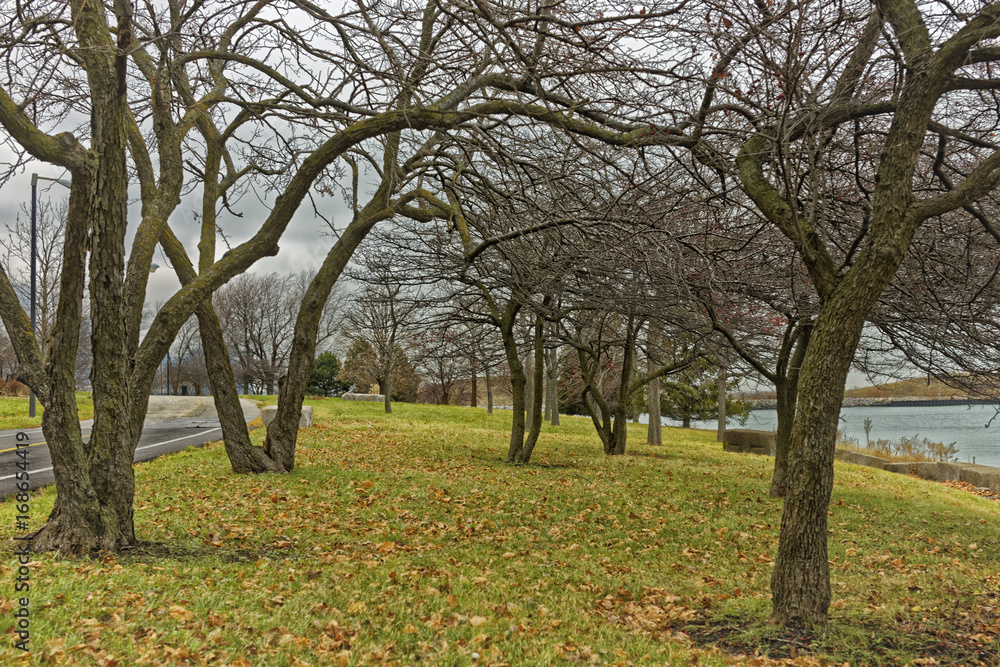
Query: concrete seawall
point(748, 441)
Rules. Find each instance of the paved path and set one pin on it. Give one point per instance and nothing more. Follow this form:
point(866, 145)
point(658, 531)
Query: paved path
point(172, 423)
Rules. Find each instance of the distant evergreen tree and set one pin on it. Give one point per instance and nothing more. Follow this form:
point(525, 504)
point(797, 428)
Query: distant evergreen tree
point(324, 379)
point(693, 394)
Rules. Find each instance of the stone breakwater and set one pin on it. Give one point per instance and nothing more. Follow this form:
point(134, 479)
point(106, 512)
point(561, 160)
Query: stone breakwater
point(893, 401)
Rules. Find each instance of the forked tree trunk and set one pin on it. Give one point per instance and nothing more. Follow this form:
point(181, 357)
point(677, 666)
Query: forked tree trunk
point(95, 482)
point(619, 431)
point(620, 424)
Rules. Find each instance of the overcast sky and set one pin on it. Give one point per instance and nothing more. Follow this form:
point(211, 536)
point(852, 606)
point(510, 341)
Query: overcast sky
point(304, 244)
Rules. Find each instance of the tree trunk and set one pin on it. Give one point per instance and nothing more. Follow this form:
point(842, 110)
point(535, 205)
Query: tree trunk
point(782, 439)
point(474, 390)
point(553, 384)
point(686, 422)
point(529, 388)
point(535, 415)
point(282, 432)
point(387, 393)
point(619, 428)
point(244, 457)
point(548, 389)
point(619, 431)
point(800, 583)
point(786, 388)
point(517, 382)
point(721, 429)
point(489, 392)
point(654, 433)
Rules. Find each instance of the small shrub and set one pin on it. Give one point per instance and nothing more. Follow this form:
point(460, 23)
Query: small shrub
point(13, 388)
point(906, 448)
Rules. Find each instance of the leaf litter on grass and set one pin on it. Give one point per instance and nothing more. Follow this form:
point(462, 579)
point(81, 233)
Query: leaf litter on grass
point(406, 539)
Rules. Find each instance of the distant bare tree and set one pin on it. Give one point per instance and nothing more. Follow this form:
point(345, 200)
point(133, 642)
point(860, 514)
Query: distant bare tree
point(382, 313)
point(257, 313)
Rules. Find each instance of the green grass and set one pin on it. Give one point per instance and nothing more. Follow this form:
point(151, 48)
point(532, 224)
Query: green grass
point(14, 411)
point(406, 539)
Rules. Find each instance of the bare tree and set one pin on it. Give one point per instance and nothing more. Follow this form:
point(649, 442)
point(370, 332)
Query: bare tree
point(174, 60)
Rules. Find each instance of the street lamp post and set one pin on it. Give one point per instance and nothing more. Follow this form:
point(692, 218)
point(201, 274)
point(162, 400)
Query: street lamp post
point(34, 234)
point(34, 253)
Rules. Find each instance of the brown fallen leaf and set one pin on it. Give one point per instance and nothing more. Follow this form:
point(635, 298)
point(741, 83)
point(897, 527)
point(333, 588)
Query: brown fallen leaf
point(180, 613)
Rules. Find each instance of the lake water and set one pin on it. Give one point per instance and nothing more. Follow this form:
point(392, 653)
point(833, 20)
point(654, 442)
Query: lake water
point(961, 424)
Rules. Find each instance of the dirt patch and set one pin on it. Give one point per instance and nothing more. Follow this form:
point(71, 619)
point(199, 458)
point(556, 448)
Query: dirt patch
point(942, 648)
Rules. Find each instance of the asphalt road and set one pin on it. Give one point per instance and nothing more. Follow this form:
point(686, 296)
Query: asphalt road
point(172, 423)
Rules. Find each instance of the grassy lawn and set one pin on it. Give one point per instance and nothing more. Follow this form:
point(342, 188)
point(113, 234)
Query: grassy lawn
point(407, 540)
point(14, 411)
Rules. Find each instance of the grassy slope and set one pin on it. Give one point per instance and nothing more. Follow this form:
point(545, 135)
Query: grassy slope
point(407, 540)
point(14, 411)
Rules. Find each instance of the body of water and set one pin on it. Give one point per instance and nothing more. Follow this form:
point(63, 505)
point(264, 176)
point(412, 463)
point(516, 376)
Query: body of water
point(964, 425)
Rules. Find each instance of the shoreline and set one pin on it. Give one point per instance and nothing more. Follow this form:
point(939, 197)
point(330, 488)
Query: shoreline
point(886, 402)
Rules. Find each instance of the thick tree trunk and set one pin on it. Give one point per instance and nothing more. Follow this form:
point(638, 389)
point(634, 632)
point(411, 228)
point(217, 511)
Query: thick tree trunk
point(619, 431)
point(686, 422)
point(80, 523)
point(619, 426)
point(800, 583)
point(95, 483)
